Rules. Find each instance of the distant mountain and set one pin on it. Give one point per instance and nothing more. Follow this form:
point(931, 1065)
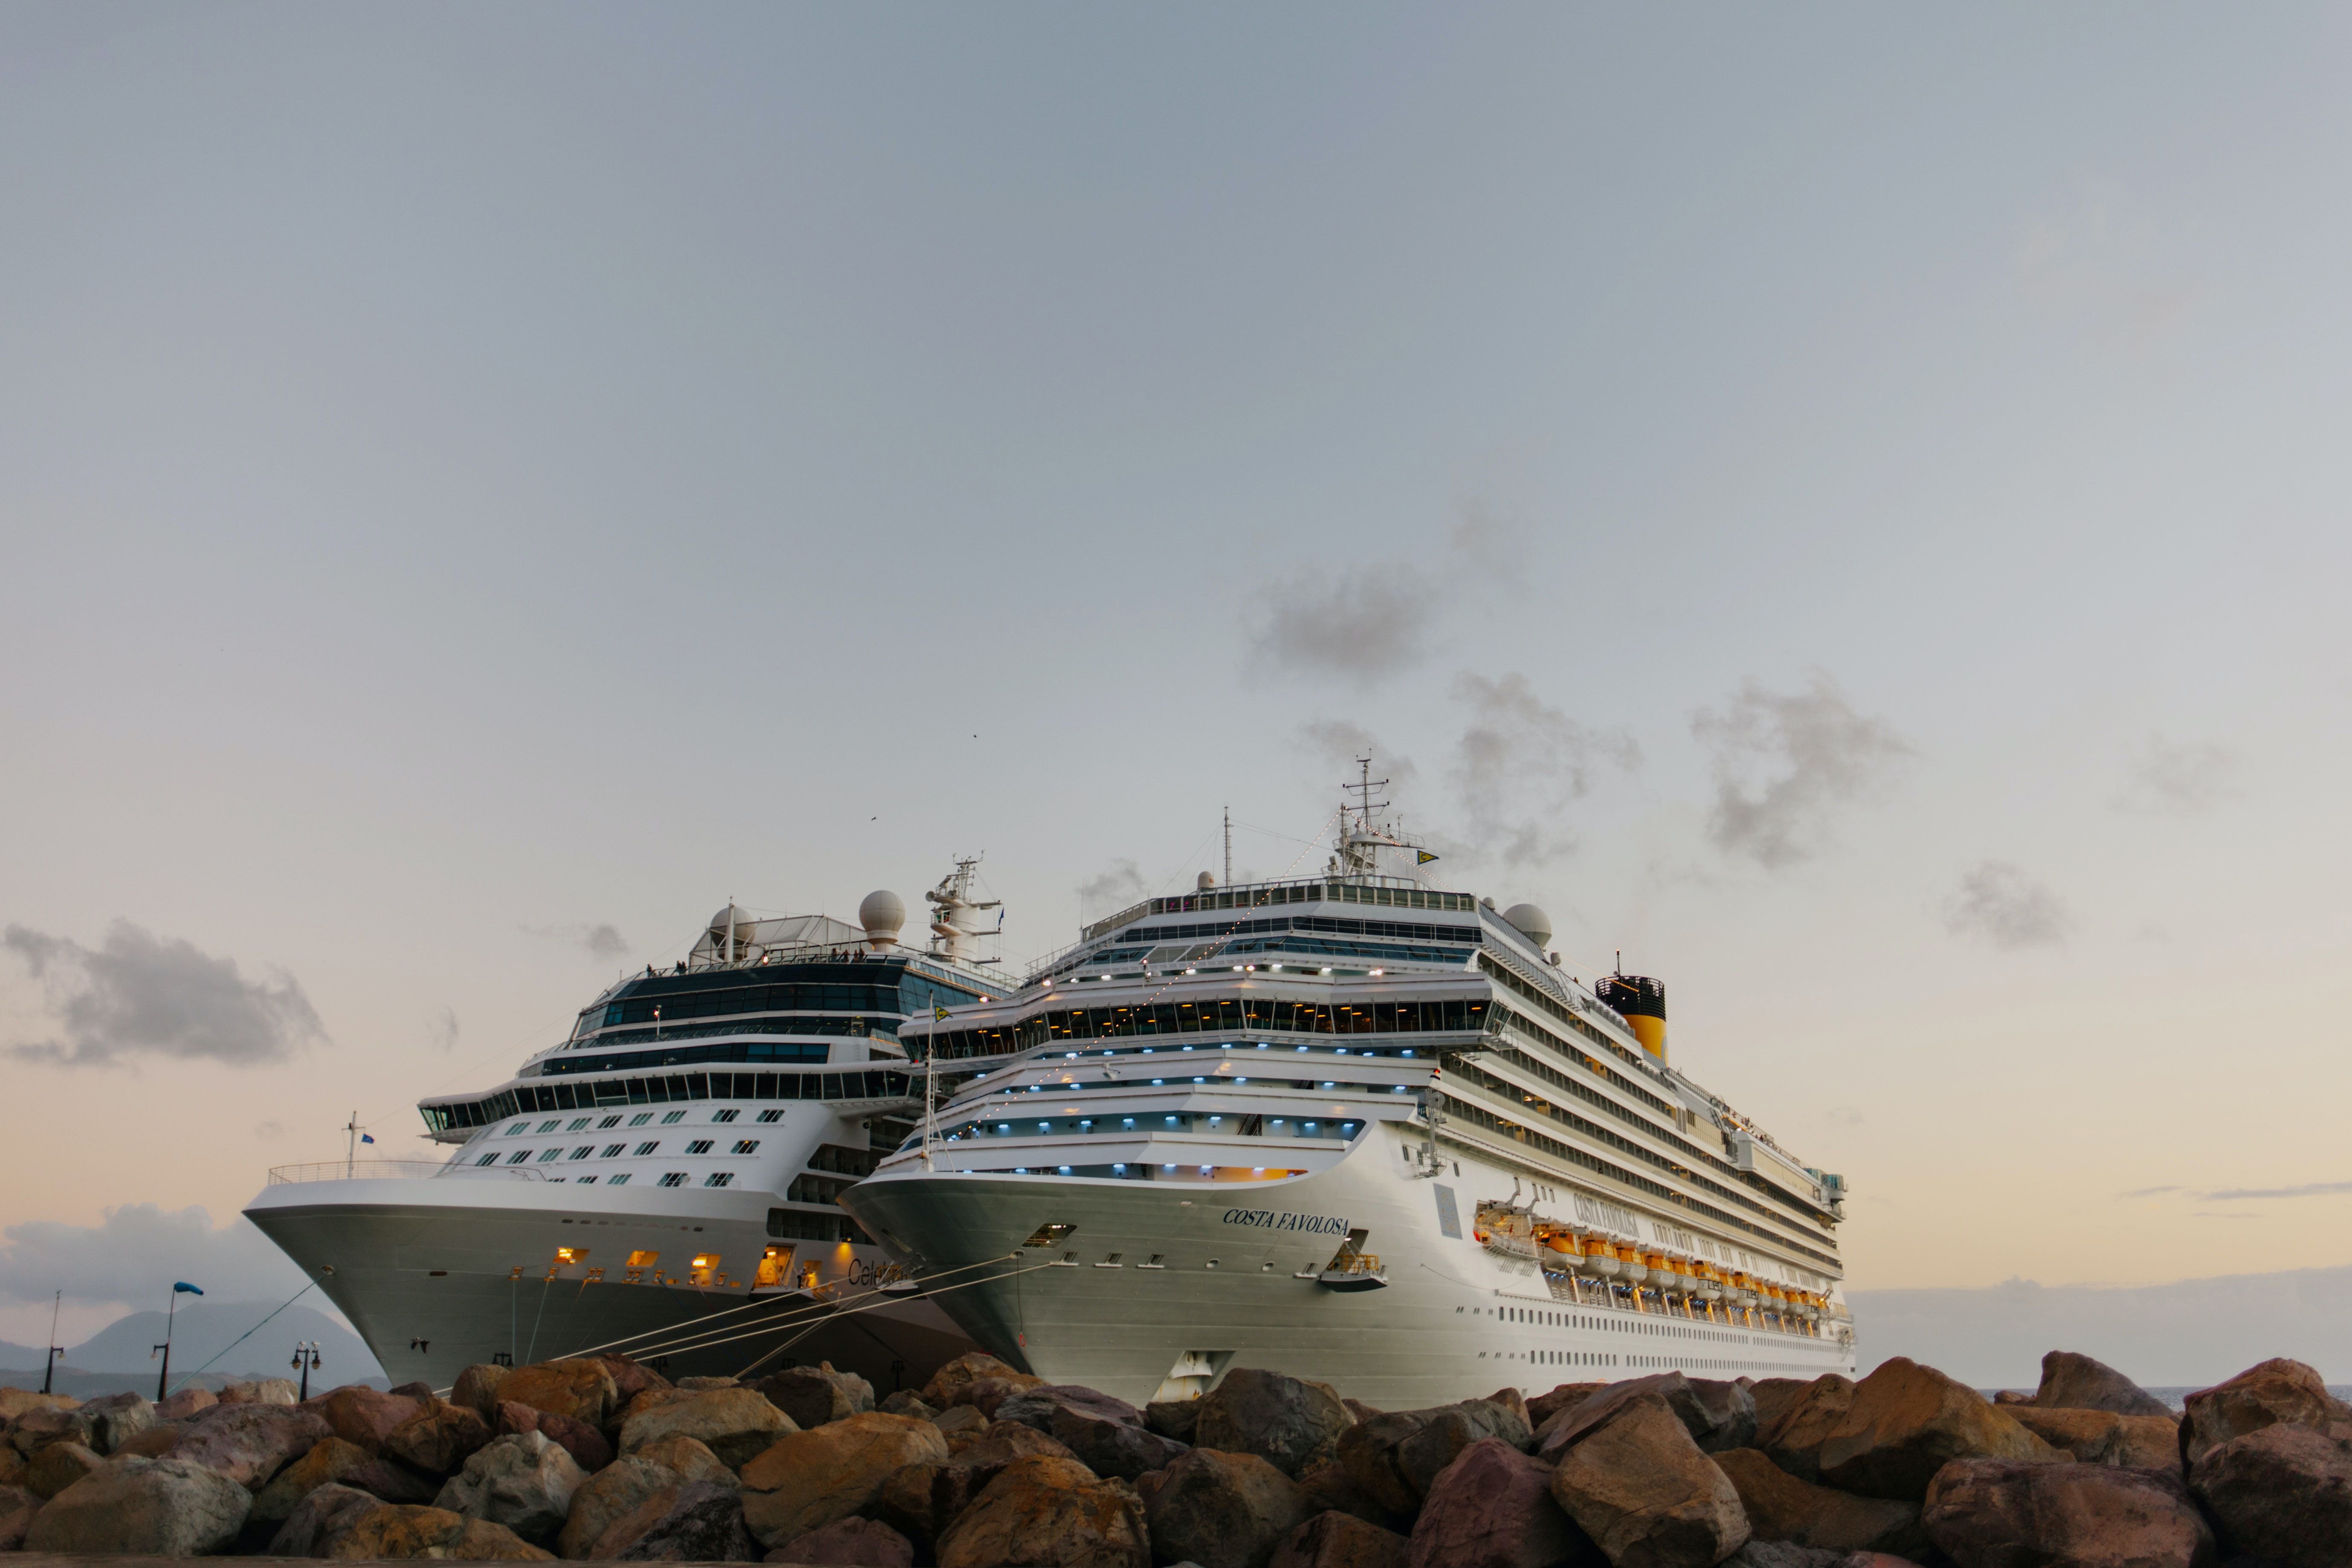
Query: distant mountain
point(16, 1356)
point(204, 1328)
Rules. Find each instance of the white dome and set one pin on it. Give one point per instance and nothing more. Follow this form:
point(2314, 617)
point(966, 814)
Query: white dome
point(882, 912)
point(732, 915)
point(1206, 881)
point(1530, 921)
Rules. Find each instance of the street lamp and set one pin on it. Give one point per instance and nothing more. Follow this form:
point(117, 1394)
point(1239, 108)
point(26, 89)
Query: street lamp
point(170, 1311)
point(306, 1359)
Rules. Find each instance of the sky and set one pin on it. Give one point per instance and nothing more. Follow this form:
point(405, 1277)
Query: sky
point(1844, 505)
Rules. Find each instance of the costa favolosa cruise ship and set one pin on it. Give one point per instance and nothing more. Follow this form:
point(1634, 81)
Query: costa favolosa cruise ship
point(1356, 1129)
point(664, 1181)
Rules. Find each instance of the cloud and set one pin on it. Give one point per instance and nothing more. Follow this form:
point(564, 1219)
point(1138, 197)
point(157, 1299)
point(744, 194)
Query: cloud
point(1336, 743)
point(603, 942)
point(2308, 1190)
point(1784, 763)
point(140, 995)
point(2151, 1192)
point(442, 1028)
point(1520, 762)
point(1487, 543)
point(1119, 885)
point(2179, 778)
point(135, 1254)
point(1364, 622)
point(2001, 904)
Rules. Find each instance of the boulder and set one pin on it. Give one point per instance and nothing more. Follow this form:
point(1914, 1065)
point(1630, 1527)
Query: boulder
point(850, 1544)
point(705, 1385)
point(37, 1428)
point(696, 1521)
point(940, 1393)
point(2011, 1396)
point(922, 1501)
point(1370, 1458)
point(986, 1394)
point(362, 1415)
point(1049, 1512)
point(905, 1402)
point(185, 1401)
point(2149, 1442)
point(1222, 1510)
point(155, 1443)
point(732, 1423)
point(1330, 1487)
point(323, 1513)
point(17, 1507)
point(2274, 1393)
point(619, 1488)
point(813, 1395)
point(2014, 1513)
point(391, 1530)
point(1283, 1420)
point(477, 1389)
point(587, 1445)
point(333, 1462)
point(1337, 1540)
point(2072, 1382)
point(1781, 1507)
point(581, 1388)
point(958, 1418)
point(146, 1508)
point(690, 1460)
point(1908, 1421)
point(805, 1480)
point(1567, 1396)
point(250, 1443)
point(116, 1419)
point(1774, 1397)
point(52, 1469)
point(2281, 1493)
point(630, 1378)
point(417, 1389)
point(1494, 1506)
point(2090, 1436)
point(437, 1439)
point(12, 1466)
point(1639, 1486)
point(523, 1481)
point(1107, 1436)
point(15, 1401)
point(1172, 1417)
point(1793, 1436)
point(262, 1391)
point(1718, 1415)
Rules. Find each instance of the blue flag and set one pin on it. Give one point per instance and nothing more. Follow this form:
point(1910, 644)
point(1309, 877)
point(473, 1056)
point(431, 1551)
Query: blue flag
point(182, 1286)
point(367, 1137)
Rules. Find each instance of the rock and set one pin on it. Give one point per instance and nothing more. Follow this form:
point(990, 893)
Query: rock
point(2283, 1493)
point(477, 1389)
point(805, 1480)
point(437, 1439)
point(1493, 1508)
point(1331, 1489)
point(322, 1514)
point(155, 1443)
point(690, 1460)
point(185, 1401)
point(1718, 1415)
point(850, 1544)
point(1172, 1417)
point(266, 1391)
point(362, 1415)
point(333, 1462)
point(581, 1388)
point(587, 1445)
point(2149, 1442)
point(1283, 1420)
point(37, 1428)
point(2274, 1393)
point(147, 1507)
point(1567, 1396)
point(2013, 1513)
point(417, 1389)
point(2072, 1381)
point(813, 1395)
point(1780, 1506)
point(1774, 1397)
point(1788, 1554)
point(630, 1378)
point(15, 1401)
point(905, 1402)
point(1908, 1421)
point(402, 1531)
point(249, 1443)
point(705, 1385)
point(17, 1507)
point(939, 1392)
point(958, 1418)
point(2090, 1436)
point(733, 1423)
point(2011, 1396)
point(696, 1521)
point(1222, 1510)
point(986, 1394)
point(1369, 1456)
point(12, 1466)
point(1337, 1540)
point(523, 1481)
point(1794, 1436)
point(922, 1501)
point(54, 1469)
point(619, 1488)
point(1107, 1434)
point(1637, 1484)
point(1042, 1513)
point(116, 1419)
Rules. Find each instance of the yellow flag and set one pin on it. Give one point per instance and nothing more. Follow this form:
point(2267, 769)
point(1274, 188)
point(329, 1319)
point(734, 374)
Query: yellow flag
point(1422, 856)
point(938, 1013)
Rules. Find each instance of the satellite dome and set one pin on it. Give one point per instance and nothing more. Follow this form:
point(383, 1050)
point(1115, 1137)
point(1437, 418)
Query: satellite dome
point(1530, 922)
point(882, 914)
point(1206, 881)
point(732, 915)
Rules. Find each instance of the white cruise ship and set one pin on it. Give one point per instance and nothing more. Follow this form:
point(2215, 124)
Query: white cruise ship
point(664, 1181)
point(1356, 1129)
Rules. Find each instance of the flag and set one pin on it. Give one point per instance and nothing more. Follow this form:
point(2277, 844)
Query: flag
point(1422, 856)
point(367, 1137)
point(938, 1013)
point(179, 1286)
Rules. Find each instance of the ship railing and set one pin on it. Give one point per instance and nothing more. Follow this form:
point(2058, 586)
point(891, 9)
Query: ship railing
point(390, 1169)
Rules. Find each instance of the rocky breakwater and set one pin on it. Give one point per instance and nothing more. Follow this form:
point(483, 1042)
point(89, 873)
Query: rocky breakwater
point(599, 1458)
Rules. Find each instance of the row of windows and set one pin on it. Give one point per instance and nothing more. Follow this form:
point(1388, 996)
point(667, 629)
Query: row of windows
point(1404, 929)
point(1225, 1124)
point(615, 1150)
point(1238, 1014)
point(678, 1007)
point(673, 1053)
point(1304, 893)
point(876, 1083)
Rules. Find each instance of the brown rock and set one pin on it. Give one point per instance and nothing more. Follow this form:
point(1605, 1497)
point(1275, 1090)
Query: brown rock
point(52, 1469)
point(586, 1443)
point(266, 1391)
point(705, 1385)
point(1718, 1415)
point(939, 1392)
point(693, 1522)
point(1566, 1396)
point(249, 1443)
point(1337, 1540)
point(323, 1513)
point(1794, 1437)
point(1639, 1486)
point(813, 1395)
point(1172, 1417)
point(523, 1480)
point(1908, 1421)
point(905, 1402)
point(400, 1530)
point(437, 1439)
point(477, 1389)
point(333, 1462)
point(116, 1419)
point(2090, 1436)
point(2149, 1442)
point(805, 1480)
point(17, 1507)
point(16, 1402)
point(922, 1501)
point(620, 1487)
point(155, 1443)
point(2276, 1392)
point(1222, 1510)
point(733, 1423)
point(2283, 1493)
point(583, 1388)
point(37, 1428)
point(148, 1507)
point(2011, 1514)
point(1108, 1435)
point(1782, 1508)
point(361, 1415)
point(1494, 1506)
point(12, 1466)
point(1370, 1456)
point(1285, 1421)
point(186, 1403)
point(1044, 1512)
point(850, 1544)
point(2011, 1396)
point(630, 1378)
point(1331, 1489)
point(987, 1394)
point(2072, 1381)
point(958, 1418)
point(1774, 1397)
point(693, 1461)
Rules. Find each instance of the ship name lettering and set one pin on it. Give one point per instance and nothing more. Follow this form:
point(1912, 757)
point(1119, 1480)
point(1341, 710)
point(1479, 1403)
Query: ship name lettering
point(1267, 1219)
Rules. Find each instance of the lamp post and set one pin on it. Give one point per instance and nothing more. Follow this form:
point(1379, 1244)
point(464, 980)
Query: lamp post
point(306, 1358)
point(171, 1309)
point(50, 1362)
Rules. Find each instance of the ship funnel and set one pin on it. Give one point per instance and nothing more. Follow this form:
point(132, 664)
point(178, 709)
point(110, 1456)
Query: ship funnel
point(1643, 1002)
point(882, 914)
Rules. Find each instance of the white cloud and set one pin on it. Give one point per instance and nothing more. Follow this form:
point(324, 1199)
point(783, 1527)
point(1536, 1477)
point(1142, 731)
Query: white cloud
point(140, 995)
point(1784, 764)
point(1998, 903)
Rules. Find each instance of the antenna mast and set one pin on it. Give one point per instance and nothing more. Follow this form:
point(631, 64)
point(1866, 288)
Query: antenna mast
point(1229, 847)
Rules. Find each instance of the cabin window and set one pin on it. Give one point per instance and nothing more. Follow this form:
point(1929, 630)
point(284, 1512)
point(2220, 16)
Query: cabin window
point(700, 1146)
point(648, 1148)
point(719, 1178)
point(673, 1179)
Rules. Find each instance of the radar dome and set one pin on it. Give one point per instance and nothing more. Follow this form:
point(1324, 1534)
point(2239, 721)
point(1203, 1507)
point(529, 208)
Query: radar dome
point(1206, 881)
point(1530, 922)
point(882, 914)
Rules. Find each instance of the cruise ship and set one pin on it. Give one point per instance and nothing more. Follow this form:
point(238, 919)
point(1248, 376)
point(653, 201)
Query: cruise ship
point(664, 1181)
point(1355, 1127)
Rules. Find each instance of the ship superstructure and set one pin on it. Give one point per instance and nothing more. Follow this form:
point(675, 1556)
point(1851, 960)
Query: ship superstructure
point(664, 1179)
point(1357, 1128)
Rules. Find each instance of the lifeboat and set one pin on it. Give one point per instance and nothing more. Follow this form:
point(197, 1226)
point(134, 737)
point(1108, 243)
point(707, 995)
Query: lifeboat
point(1629, 1267)
point(1710, 1288)
point(1600, 1259)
